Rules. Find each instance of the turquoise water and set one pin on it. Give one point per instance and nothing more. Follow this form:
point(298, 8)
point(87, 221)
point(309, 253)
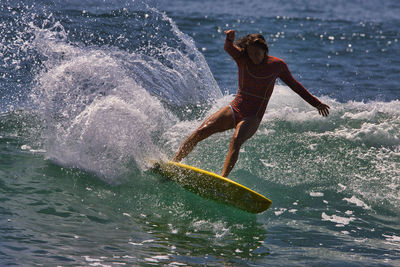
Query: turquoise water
point(90, 91)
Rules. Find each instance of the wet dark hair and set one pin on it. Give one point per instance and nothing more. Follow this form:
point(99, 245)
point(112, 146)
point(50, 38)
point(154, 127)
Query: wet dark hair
point(252, 39)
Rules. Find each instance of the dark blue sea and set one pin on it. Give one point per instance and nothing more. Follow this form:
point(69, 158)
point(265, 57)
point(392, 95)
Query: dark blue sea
point(92, 91)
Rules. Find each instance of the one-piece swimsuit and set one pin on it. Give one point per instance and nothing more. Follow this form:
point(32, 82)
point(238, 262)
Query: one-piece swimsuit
point(257, 81)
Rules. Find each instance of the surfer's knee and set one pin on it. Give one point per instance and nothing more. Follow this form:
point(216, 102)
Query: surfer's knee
point(203, 132)
point(208, 128)
point(242, 135)
point(237, 141)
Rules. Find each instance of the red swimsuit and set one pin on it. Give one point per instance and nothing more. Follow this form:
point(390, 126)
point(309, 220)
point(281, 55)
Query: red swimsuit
point(256, 83)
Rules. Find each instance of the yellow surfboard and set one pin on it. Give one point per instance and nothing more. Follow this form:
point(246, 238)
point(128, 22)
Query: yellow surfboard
point(214, 186)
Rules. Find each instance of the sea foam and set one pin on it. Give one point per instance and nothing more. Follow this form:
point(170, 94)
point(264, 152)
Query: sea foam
point(104, 109)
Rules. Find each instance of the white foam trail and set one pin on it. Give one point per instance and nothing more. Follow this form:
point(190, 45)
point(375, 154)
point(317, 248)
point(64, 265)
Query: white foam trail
point(103, 107)
point(372, 123)
point(384, 133)
point(101, 119)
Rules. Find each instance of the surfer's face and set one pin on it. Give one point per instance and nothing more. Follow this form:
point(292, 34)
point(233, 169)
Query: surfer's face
point(256, 53)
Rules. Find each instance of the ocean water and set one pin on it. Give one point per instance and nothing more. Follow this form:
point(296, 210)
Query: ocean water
point(91, 90)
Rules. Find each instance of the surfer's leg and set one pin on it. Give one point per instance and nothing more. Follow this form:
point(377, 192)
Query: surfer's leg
point(220, 121)
point(244, 130)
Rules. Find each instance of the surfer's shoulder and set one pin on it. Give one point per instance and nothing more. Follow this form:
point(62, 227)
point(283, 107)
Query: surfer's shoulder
point(276, 62)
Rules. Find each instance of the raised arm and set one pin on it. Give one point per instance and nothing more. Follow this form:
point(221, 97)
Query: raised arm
point(234, 51)
point(288, 78)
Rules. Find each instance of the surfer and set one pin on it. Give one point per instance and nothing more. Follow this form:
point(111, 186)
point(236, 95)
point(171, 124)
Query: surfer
point(258, 72)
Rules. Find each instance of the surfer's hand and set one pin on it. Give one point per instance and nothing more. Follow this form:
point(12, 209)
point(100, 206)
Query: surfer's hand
point(323, 109)
point(230, 35)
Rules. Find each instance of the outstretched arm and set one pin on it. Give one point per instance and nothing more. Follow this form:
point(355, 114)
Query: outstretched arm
point(288, 78)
